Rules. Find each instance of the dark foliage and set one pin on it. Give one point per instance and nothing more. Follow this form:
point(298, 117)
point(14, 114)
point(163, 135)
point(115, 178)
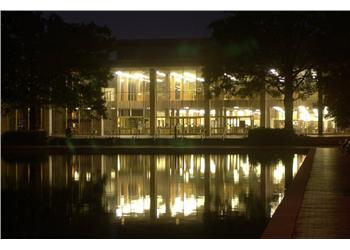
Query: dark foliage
point(49, 62)
point(302, 48)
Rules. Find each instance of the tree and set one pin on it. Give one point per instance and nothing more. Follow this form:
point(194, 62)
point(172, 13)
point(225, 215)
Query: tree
point(337, 96)
point(331, 58)
point(251, 51)
point(50, 62)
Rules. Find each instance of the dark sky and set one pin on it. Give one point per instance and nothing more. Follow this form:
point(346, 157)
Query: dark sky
point(149, 24)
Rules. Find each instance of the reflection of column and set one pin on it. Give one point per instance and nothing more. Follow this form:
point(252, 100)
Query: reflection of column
point(263, 187)
point(50, 171)
point(152, 100)
point(168, 191)
point(207, 184)
point(288, 172)
point(207, 109)
point(153, 188)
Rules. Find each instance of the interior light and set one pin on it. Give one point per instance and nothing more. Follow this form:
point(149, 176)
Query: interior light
point(161, 74)
point(113, 174)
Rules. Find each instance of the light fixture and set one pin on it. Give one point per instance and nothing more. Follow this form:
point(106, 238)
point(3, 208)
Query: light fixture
point(279, 109)
point(273, 72)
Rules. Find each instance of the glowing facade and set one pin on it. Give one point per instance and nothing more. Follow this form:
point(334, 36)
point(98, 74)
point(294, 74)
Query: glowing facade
point(158, 90)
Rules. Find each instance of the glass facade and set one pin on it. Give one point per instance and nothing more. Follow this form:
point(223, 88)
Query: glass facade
point(129, 109)
point(179, 101)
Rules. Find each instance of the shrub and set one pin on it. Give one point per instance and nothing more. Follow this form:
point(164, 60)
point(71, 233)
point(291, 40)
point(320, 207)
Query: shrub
point(38, 137)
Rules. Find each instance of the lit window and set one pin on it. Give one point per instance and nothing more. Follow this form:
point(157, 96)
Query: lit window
point(108, 94)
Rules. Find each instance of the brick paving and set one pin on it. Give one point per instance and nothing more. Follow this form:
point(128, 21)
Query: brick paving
point(325, 210)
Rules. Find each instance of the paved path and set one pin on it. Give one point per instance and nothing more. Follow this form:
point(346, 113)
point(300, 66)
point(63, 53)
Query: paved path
point(325, 210)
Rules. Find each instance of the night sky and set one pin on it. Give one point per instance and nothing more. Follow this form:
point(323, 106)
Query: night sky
point(149, 24)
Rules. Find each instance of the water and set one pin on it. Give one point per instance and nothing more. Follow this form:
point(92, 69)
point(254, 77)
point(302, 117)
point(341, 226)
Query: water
point(143, 196)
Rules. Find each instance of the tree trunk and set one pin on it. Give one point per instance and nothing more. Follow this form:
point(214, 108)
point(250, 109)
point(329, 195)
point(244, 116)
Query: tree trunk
point(288, 104)
point(69, 118)
point(34, 117)
point(320, 107)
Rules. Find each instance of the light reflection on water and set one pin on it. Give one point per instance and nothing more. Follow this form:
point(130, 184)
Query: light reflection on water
point(173, 189)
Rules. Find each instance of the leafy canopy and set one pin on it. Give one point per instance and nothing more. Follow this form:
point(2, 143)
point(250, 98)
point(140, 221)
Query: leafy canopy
point(50, 62)
point(253, 50)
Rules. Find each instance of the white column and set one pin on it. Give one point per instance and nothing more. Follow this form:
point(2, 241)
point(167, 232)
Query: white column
point(50, 121)
point(207, 109)
point(102, 127)
point(152, 100)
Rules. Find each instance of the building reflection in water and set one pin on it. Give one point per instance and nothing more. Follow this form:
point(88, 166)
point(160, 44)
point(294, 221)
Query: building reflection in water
point(175, 188)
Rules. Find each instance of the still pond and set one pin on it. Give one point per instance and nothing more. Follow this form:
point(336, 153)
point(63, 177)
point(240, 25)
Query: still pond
point(143, 196)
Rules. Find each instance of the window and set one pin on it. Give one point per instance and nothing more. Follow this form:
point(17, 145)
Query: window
point(125, 112)
point(108, 94)
point(137, 112)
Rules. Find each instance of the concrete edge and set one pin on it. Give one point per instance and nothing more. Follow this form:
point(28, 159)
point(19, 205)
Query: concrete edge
point(283, 222)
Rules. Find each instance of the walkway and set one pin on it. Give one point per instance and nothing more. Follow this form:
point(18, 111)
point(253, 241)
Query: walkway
point(325, 210)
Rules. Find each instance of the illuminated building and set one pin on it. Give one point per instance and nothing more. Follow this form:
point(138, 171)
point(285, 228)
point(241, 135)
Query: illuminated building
point(158, 90)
